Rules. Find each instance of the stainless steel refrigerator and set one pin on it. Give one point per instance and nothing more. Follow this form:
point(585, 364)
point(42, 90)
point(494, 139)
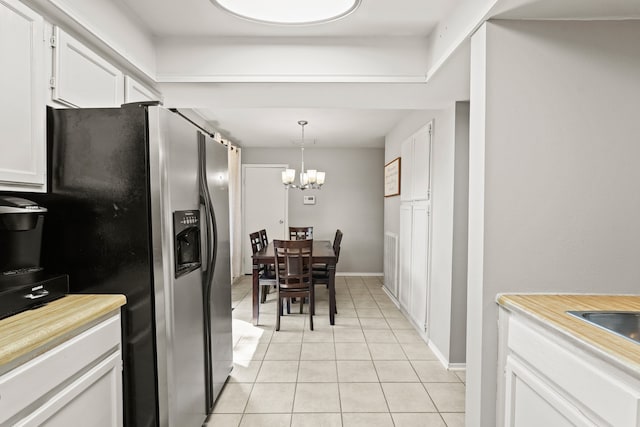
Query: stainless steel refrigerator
point(138, 204)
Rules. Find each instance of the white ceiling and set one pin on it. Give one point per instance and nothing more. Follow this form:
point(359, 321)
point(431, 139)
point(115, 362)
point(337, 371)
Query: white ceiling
point(170, 18)
point(354, 118)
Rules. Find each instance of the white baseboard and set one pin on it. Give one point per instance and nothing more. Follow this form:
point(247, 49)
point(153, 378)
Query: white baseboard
point(443, 360)
point(360, 274)
point(391, 297)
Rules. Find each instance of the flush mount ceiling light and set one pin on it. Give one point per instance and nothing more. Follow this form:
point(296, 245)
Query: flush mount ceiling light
point(289, 12)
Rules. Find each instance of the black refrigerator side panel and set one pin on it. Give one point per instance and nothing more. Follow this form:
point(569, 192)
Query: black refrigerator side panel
point(98, 231)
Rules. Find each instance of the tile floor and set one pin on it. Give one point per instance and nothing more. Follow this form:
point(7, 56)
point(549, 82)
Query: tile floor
point(369, 369)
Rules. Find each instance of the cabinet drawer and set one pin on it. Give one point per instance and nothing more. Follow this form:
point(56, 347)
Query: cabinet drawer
point(591, 384)
point(23, 387)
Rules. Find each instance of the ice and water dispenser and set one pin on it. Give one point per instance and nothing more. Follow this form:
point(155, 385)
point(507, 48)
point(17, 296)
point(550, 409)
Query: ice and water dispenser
point(186, 241)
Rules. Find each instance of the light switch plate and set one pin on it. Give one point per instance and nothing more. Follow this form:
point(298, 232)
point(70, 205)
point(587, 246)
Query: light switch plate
point(309, 200)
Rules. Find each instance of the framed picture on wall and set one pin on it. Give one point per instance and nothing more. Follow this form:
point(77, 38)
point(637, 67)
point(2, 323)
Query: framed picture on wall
point(392, 178)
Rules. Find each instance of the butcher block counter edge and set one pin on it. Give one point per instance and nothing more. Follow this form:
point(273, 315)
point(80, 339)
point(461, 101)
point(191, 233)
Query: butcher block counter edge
point(28, 334)
point(550, 311)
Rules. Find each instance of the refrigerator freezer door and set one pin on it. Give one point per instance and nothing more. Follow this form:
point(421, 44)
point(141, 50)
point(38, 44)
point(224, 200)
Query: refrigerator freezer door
point(220, 298)
point(179, 314)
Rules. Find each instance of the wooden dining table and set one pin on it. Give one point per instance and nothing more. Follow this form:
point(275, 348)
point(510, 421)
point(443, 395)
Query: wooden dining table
point(322, 254)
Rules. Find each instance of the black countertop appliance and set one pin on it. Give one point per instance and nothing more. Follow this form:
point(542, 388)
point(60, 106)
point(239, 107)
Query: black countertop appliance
point(23, 283)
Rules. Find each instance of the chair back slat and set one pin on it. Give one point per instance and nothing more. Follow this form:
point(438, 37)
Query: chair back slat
point(337, 241)
point(300, 233)
point(256, 242)
point(263, 238)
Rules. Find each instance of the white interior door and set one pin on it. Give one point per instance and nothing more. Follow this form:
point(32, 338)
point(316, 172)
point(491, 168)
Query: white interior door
point(265, 205)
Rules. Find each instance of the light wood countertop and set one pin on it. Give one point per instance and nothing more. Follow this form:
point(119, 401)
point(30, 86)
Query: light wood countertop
point(550, 310)
point(34, 331)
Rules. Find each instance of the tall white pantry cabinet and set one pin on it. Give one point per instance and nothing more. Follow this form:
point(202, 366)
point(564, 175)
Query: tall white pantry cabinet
point(415, 226)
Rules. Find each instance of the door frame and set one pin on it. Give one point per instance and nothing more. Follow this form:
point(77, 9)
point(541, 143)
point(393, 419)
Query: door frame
point(246, 166)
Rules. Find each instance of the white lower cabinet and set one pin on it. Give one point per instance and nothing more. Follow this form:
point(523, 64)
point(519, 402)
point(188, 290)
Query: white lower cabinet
point(548, 380)
point(79, 382)
point(413, 291)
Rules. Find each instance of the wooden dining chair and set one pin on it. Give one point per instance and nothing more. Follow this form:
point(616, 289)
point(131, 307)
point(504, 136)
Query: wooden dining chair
point(294, 278)
point(320, 273)
point(266, 275)
point(300, 233)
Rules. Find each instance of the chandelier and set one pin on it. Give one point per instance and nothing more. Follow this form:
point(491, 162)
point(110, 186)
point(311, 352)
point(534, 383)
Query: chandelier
point(310, 179)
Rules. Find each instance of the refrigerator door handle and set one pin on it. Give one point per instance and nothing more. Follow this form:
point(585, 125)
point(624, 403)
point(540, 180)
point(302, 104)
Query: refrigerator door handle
point(209, 263)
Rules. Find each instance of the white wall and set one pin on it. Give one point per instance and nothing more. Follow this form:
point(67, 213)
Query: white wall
point(554, 174)
point(447, 332)
point(351, 200)
point(273, 59)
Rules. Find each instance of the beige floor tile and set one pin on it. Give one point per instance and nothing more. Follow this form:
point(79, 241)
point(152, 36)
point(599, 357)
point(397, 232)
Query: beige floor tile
point(287, 337)
point(317, 371)
point(399, 371)
point(271, 398)
point(379, 335)
point(418, 420)
point(433, 372)
point(418, 351)
point(373, 323)
point(380, 372)
point(283, 352)
point(359, 371)
point(318, 335)
point(316, 420)
point(348, 335)
point(382, 351)
point(448, 397)
point(249, 350)
point(345, 312)
point(407, 336)
point(223, 420)
point(245, 371)
point(278, 372)
point(369, 312)
point(346, 322)
point(266, 420)
point(233, 398)
point(352, 351)
point(318, 351)
point(407, 397)
point(367, 420)
point(462, 375)
point(453, 419)
point(317, 397)
point(362, 397)
point(392, 313)
point(399, 324)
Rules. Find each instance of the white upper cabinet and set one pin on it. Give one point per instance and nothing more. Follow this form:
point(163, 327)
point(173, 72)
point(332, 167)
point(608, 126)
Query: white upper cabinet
point(416, 166)
point(82, 78)
point(22, 109)
point(134, 91)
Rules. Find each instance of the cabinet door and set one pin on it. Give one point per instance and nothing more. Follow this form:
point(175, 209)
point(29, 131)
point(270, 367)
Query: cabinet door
point(406, 180)
point(83, 78)
point(404, 286)
point(532, 402)
point(420, 265)
point(135, 91)
point(22, 129)
point(421, 177)
point(95, 397)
